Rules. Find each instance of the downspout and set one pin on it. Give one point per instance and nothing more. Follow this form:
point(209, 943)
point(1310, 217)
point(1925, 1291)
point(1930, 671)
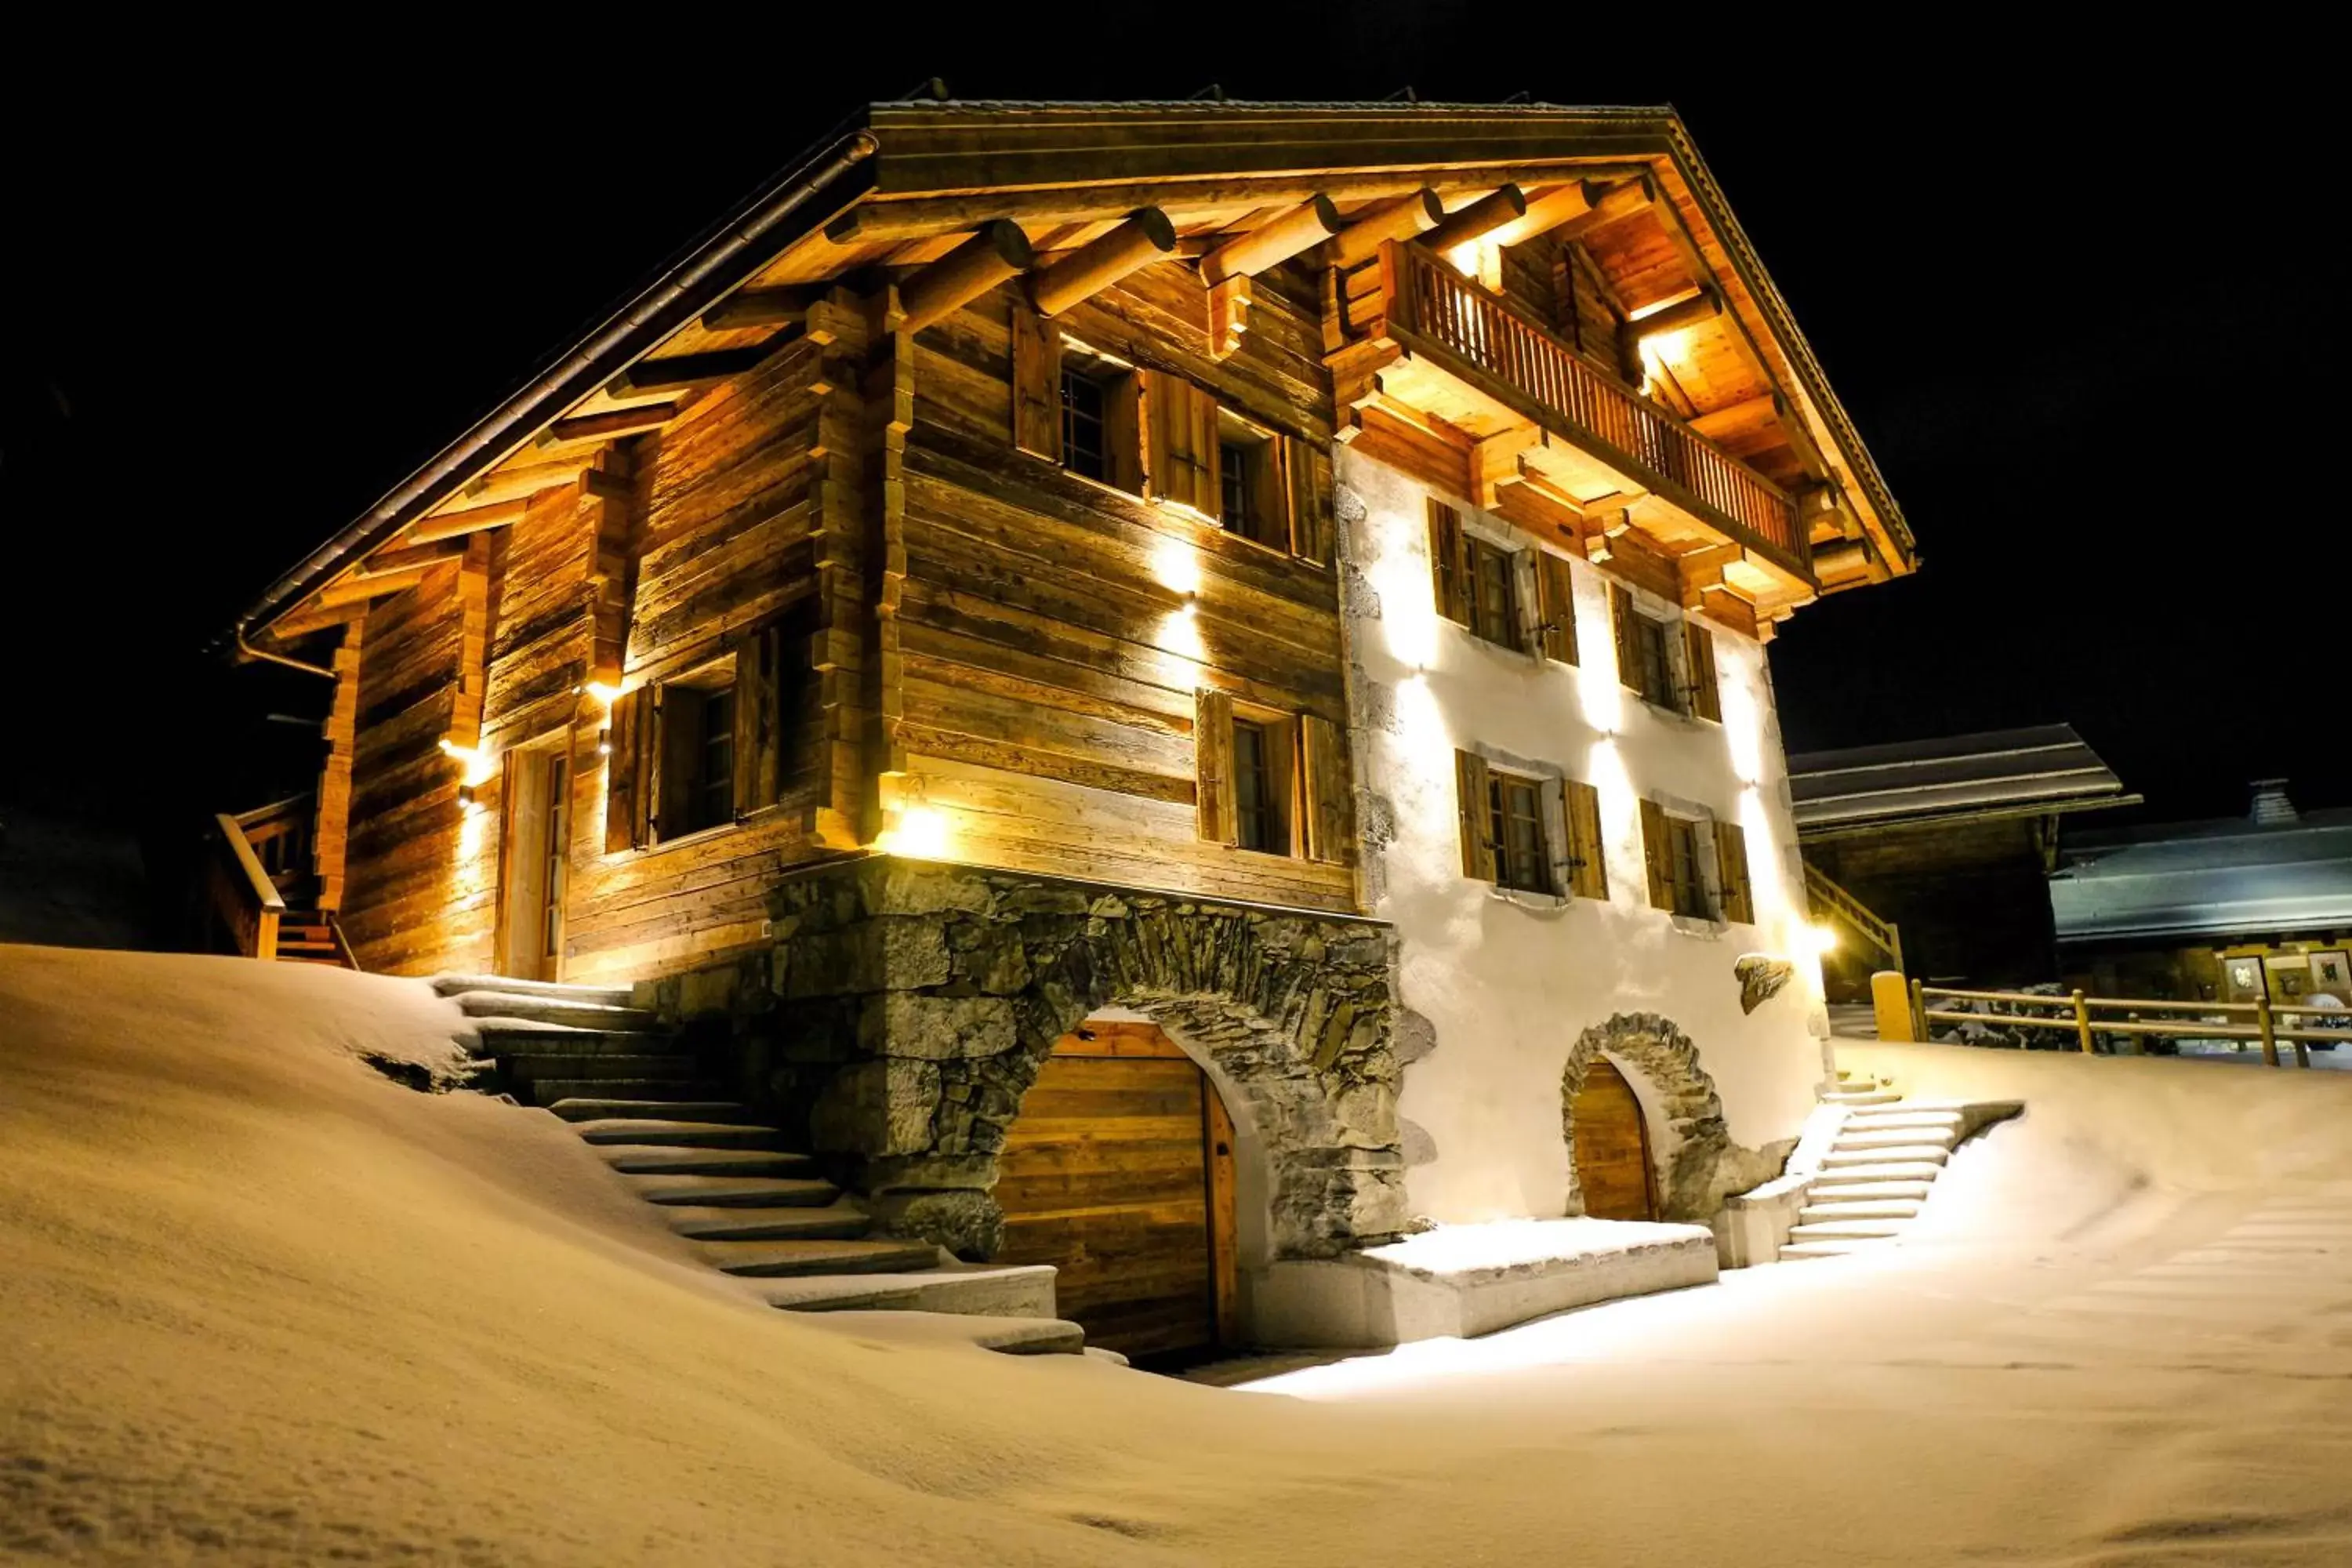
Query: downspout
point(513, 418)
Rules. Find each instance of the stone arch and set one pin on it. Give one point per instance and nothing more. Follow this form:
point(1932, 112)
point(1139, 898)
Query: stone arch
point(913, 1003)
point(1697, 1163)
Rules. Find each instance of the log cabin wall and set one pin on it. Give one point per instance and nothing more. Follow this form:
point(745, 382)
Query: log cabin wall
point(1049, 673)
point(416, 899)
point(722, 544)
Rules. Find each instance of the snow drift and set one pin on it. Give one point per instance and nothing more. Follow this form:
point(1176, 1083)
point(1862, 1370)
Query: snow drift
point(259, 1304)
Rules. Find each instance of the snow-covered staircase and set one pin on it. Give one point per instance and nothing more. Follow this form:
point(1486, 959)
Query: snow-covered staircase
point(1878, 1170)
point(745, 1201)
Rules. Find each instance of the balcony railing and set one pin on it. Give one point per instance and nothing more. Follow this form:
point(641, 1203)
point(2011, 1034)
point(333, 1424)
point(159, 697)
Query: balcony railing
point(1429, 301)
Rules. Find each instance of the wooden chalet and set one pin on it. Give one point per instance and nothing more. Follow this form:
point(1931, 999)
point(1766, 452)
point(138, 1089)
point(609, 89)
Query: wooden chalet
point(965, 498)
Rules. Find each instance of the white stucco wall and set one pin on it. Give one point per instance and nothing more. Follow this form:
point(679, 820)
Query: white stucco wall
point(1509, 980)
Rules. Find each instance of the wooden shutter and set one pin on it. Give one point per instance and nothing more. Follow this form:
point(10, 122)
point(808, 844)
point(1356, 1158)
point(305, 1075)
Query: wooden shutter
point(1330, 805)
point(1657, 856)
point(1556, 607)
point(1588, 858)
point(759, 724)
point(1449, 562)
point(1731, 871)
point(1180, 427)
point(1621, 617)
point(677, 754)
point(1707, 698)
point(1310, 497)
point(1477, 810)
point(1213, 767)
point(1037, 384)
point(1123, 430)
point(625, 784)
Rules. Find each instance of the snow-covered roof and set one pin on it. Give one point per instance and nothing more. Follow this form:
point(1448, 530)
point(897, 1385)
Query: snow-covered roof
point(2048, 767)
point(2232, 878)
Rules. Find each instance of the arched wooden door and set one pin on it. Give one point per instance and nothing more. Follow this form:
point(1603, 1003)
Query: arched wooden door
point(1119, 1171)
point(1613, 1146)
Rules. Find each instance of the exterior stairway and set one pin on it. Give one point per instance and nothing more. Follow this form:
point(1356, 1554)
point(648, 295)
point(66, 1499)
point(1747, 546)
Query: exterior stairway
point(1878, 1171)
point(747, 1205)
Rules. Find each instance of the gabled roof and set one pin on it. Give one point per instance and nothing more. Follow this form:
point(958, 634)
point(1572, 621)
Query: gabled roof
point(903, 183)
point(2000, 773)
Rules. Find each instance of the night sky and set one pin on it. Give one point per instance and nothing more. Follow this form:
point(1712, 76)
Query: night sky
point(2077, 300)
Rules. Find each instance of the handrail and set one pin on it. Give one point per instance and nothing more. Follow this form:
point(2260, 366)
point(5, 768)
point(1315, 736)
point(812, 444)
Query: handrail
point(2077, 1018)
point(248, 902)
point(1430, 299)
point(1883, 934)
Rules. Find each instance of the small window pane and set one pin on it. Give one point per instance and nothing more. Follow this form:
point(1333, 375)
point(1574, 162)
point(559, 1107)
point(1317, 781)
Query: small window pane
point(1522, 857)
point(1493, 600)
point(1257, 804)
point(1084, 449)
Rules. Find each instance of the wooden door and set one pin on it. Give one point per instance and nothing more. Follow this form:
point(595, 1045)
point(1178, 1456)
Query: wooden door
point(532, 862)
point(1612, 1147)
point(1119, 1171)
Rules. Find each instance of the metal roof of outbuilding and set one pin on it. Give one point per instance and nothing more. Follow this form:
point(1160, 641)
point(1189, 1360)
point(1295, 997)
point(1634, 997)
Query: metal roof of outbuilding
point(2048, 767)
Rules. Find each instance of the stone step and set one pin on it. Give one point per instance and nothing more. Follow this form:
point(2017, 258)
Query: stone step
point(670, 1159)
point(802, 1257)
point(736, 1192)
point(1870, 1189)
point(530, 1067)
point(1797, 1251)
point(1887, 1153)
point(1875, 1117)
point(1861, 1209)
point(981, 1289)
point(600, 996)
point(678, 1094)
point(512, 1036)
point(1879, 1171)
point(586, 1108)
point(1897, 1137)
point(529, 1008)
point(703, 1222)
point(688, 1135)
point(1867, 1097)
point(1035, 1336)
point(1846, 1230)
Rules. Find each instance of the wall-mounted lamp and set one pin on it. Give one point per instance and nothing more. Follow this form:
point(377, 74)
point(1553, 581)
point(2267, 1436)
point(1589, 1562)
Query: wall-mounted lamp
point(465, 798)
point(604, 743)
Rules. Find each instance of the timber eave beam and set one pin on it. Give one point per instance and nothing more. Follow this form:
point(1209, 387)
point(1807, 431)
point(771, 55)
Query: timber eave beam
point(996, 252)
point(1145, 236)
point(1290, 233)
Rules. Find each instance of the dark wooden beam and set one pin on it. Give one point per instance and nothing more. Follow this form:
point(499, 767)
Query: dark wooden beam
point(758, 308)
point(473, 519)
point(1276, 240)
point(1548, 211)
point(1636, 195)
point(1404, 218)
point(401, 557)
point(1145, 237)
point(1700, 308)
point(1739, 418)
point(1480, 218)
point(610, 424)
point(996, 252)
point(681, 373)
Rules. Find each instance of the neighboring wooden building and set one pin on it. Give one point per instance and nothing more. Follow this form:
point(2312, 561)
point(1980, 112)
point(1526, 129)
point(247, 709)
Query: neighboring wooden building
point(2230, 910)
point(1949, 841)
point(941, 609)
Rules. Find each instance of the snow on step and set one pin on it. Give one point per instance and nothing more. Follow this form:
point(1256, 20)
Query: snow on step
point(503, 1037)
point(598, 996)
point(652, 1110)
point(1870, 1209)
point(838, 1220)
point(1846, 1230)
point(1803, 1249)
point(799, 1257)
point(1020, 1290)
point(681, 1092)
point(1867, 1097)
point(1899, 1115)
point(671, 1159)
point(694, 1134)
point(559, 1011)
point(601, 1065)
point(1896, 1137)
point(1887, 1155)
point(1868, 1188)
point(736, 1192)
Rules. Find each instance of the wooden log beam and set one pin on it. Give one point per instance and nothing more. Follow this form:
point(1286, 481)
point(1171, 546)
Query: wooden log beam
point(1278, 239)
point(1548, 211)
point(307, 617)
point(523, 480)
point(681, 373)
point(1404, 218)
point(996, 251)
point(358, 586)
point(610, 424)
point(452, 524)
point(1739, 418)
point(1480, 218)
point(1145, 237)
point(1635, 194)
point(401, 557)
point(758, 308)
point(1700, 309)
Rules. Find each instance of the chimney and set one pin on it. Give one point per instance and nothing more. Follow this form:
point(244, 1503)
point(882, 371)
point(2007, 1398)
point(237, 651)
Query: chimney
point(2272, 806)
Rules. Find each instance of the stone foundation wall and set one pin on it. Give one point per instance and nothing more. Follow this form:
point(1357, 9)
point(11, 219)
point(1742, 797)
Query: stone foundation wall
point(905, 1006)
point(1699, 1164)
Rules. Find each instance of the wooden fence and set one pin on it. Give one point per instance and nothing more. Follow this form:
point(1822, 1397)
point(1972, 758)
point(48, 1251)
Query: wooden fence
point(2270, 1022)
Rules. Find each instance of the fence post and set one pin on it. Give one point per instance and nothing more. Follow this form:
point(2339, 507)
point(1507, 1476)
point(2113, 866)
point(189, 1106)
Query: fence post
point(1890, 1001)
point(1919, 1012)
point(2083, 1025)
point(2270, 1037)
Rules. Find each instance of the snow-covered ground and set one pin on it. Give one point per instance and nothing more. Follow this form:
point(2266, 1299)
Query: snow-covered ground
point(258, 1304)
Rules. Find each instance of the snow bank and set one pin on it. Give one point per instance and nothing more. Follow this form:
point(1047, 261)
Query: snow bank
point(258, 1304)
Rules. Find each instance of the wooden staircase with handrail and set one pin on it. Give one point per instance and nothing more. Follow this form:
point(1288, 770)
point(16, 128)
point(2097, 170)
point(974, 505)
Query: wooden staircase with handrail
point(260, 895)
point(1827, 900)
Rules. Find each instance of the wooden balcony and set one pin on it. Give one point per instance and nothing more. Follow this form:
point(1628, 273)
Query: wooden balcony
point(1413, 338)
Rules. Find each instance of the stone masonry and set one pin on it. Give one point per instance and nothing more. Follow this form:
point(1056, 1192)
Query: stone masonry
point(904, 1007)
point(1699, 1164)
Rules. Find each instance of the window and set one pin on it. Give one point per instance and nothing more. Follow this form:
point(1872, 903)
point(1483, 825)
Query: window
point(1522, 860)
point(1251, 494)
point(1259, 817)
point(1646, 659)
point(1271, 782)
point(695, 788)
point(726, 738)
point(1476, 581)
point(1084, 451)
point(1687, 891)
point(1731, 873)
point(1672, 845)
point(1653, 673)
point(715, 783)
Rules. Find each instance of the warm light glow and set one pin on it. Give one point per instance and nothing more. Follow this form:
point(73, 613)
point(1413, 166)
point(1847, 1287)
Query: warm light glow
point(607, 695)
point(1180, 633)
point(1177, 565)
point(1821, 939)
point(921, 831)
point(481, 766)
point(1666, 348)
point(1601, 695)
point(1743, 719)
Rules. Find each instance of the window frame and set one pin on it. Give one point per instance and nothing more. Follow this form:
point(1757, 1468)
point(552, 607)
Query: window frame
point(1534, 874)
